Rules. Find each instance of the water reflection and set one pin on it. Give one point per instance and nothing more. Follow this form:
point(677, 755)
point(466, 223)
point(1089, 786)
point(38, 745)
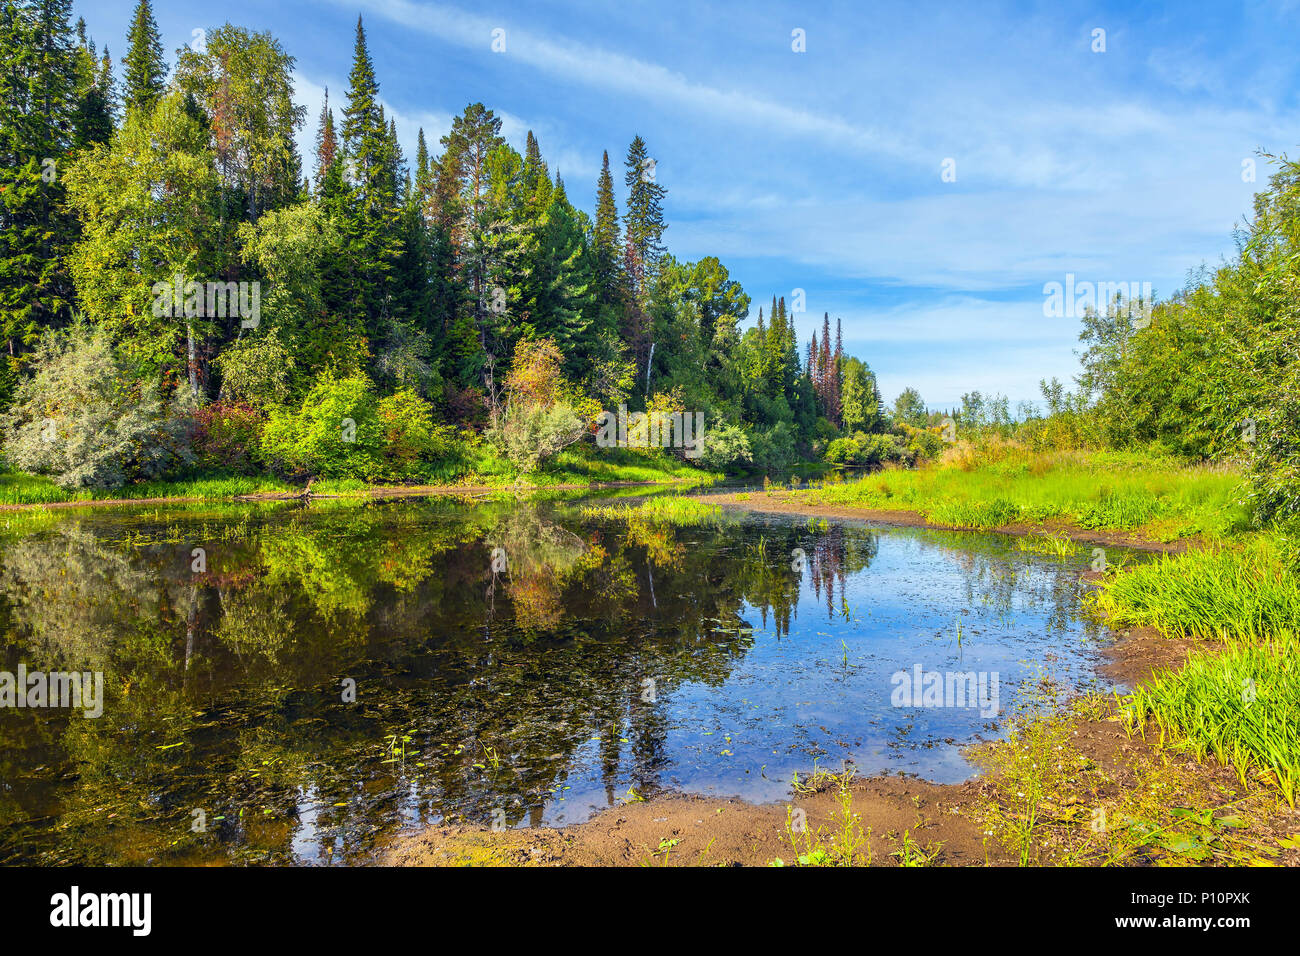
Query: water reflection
point(594, 660)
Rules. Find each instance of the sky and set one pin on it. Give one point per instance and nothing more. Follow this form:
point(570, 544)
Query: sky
point(918, 171)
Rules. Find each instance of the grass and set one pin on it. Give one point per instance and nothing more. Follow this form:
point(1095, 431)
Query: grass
point(572, 466)
point(17, 488)
point(1241, 706)
point(1057, 545)
point(843, 843)
point(1031, 771)
point(663, 510)
point(1129, 491)
point(1242, 591)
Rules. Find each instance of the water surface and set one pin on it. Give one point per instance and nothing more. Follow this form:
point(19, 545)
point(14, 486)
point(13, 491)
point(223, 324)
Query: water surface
point(588, 663)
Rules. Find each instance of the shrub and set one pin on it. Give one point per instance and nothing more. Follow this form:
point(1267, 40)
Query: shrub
point(336, 433)
point(531, 434)
point(864, 449)
point(923, 443)
point(726, 447)
point(410, 435)
point(227, 437)
point(539, 418)
point(82, 420)
point(773, 449)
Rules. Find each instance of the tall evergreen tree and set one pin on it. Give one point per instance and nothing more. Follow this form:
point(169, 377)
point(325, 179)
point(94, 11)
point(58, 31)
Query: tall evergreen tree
point(146, 70)
point(370, 215)
point(39, 109)
point(643, 222)
point(606, 240)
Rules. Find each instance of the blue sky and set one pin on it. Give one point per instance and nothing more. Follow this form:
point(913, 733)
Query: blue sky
point(822, 170)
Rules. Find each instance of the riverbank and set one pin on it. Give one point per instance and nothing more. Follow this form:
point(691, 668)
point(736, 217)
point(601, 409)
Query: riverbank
point(1073, 784)
point(19, 491)
point(368, 491)
point(803, 505)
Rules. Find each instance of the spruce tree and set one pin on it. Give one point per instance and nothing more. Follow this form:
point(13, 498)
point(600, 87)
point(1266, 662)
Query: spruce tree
point(146, 70)
point(606, 239)
point(643, 222)
point(39, 108)
point(370, 221)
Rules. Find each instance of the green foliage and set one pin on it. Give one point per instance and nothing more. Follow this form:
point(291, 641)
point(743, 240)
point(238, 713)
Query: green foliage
point(256, 370)
point(909, 409)
point(334, 433)
point(148, 209)
point(1239, 593)
point(866, 450)
point(1241, 706)
point(726, 448)
point(146, 71)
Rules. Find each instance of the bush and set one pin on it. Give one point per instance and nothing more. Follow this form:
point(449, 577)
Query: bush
point(227, 437)
point(774, 449)
point(410, 436)
point(1273, 487)
point(336, 433)
point(540, 417)
point(726, 447)
point(923, 444)
point(84, 421)
point(866, 450)
point(531, 434)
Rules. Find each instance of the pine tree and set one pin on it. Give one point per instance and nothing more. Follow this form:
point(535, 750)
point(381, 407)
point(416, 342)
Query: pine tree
point(146, 70)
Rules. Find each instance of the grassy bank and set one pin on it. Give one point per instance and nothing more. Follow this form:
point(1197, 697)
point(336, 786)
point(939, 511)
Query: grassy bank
point(1239, 702)
point(1159, 498)
point(572, 466)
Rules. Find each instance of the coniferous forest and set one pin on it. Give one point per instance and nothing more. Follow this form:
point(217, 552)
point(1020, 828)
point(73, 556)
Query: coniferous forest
point(184, 294)
point(454, 307)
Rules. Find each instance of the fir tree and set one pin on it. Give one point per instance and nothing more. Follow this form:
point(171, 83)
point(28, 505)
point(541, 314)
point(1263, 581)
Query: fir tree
point(643, 223)
point(327, 143)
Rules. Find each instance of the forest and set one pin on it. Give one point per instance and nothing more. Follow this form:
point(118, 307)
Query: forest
point(184, 294)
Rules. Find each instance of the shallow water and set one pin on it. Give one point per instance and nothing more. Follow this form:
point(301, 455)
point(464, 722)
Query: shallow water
point(599, 662)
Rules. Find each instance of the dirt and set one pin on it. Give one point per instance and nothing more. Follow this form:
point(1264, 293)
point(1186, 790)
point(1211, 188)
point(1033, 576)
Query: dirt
point(712, 831)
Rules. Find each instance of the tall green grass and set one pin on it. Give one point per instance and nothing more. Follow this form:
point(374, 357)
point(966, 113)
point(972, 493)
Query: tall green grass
point(1241, 706)
point(17, 488)
point(1241, 592)
point(664, 510)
